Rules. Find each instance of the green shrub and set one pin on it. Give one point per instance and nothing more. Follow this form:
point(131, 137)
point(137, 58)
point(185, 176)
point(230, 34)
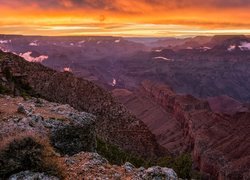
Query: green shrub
point(27, 152)
point(117, 156)
point(3, 89)
point(181, 164)
point(166, 161)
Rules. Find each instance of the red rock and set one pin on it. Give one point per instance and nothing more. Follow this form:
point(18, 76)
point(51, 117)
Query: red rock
point(219, 143)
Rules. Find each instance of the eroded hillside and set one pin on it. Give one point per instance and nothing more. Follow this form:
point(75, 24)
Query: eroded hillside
point(114, 123)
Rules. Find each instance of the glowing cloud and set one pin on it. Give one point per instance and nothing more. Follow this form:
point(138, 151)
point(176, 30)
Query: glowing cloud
point(125, 17)
point(33, 43)
point(27, 56)
point(245, 46)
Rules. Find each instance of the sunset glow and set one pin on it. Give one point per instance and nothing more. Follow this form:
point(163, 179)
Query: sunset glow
point(124, 17)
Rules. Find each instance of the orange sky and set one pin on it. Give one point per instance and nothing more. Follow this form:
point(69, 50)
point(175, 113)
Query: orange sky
point(125, 17)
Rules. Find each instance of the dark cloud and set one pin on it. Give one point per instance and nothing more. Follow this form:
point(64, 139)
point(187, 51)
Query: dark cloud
point(113, 5)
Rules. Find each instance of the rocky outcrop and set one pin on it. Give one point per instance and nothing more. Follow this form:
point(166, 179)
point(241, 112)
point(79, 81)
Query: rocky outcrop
point(49, 141)
point(114, 123)
point(93, 166)
point(218, 142)
point(70, 131)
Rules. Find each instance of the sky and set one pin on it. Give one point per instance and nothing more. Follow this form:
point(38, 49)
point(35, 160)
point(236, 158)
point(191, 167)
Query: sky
point(130, 18)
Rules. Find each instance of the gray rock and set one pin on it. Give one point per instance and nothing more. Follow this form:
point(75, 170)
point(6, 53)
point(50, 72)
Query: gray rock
point(21, 109)
point(4, 79)
point(79, 135)
point(128, 167)
point(117, 176)
point(141, 169)
point(159, 173)
point(96, 159)
point(28, 175)
point(69, 162)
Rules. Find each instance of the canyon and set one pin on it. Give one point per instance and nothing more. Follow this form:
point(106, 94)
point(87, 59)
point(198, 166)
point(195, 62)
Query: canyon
point(153, 98)
point(218, 142)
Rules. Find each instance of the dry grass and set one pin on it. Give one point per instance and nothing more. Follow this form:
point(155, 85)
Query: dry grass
point(28, 151)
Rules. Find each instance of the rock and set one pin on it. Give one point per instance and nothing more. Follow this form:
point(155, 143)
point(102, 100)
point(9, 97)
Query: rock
point(39, 102)
point(75, 137)
point(117, 176)
point(141, 169)
point(4, 79)
point(157, 172)
point(21, 109)
point(96, 159)
point(85, 96)
point(213, 139)
point(28, 175)
point(128, 167)
point(69, 162)
point(37, 118)
point(69, 130)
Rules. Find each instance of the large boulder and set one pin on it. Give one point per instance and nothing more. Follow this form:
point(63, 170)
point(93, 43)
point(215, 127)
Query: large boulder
point(75, 137)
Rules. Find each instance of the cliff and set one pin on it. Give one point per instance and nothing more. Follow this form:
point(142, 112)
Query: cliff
point(219, 143)
point(45, 140)
point(114, 123)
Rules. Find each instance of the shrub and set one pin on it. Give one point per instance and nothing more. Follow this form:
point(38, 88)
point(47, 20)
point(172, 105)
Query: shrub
point(27, 152)
point(117, 156)
point(166, 161)
point(3, 89)
point(181, 164)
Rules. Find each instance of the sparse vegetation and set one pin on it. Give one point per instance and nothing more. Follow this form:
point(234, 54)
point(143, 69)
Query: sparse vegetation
point(28, 152)
point(182, 164)
point(117, 156)
point(3, 89)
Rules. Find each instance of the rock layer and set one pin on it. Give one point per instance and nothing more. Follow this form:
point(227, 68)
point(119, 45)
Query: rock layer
point(114, 123)
point(219, 143)
point(182, 123)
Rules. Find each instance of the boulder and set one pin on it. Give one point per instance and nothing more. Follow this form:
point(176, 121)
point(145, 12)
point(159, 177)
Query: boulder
point(79, 135)
point(29, 175)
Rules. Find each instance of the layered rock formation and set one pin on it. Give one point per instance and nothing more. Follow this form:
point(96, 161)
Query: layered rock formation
point(114, 123)
point(227, 105)
point(219, 143)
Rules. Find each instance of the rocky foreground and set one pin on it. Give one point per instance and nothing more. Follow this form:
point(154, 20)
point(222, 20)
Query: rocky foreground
point(29, 127)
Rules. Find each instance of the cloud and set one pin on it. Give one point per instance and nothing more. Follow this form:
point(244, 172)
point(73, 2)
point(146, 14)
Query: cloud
point(124, 17)
point(122, 5)
point(245, 46)
point(5, 41)
point(27, 56)
point(33, 44)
